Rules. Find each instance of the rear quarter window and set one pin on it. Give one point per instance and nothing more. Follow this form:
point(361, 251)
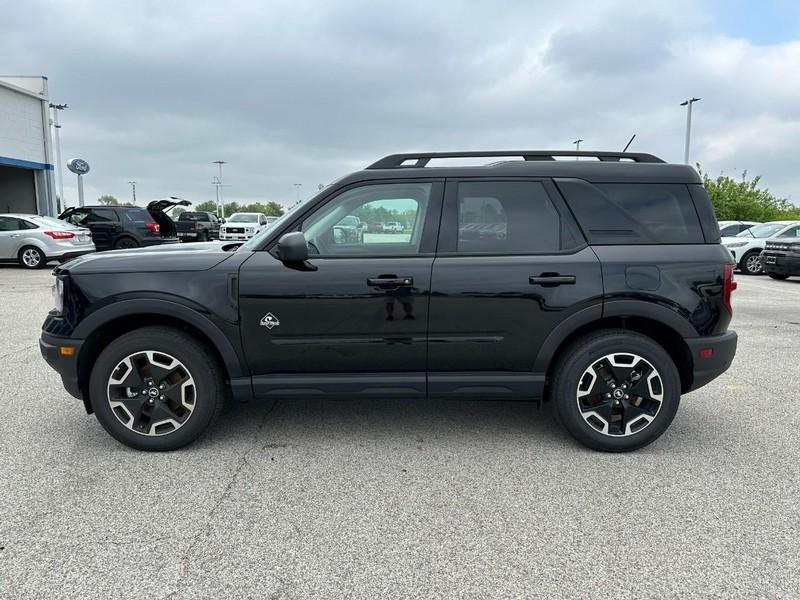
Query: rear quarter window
point(633, 213)
point(137, 215)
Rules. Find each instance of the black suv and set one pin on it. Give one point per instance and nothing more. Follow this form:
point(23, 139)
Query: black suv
point(125, 227)
point(781, 257)
point(598, 284)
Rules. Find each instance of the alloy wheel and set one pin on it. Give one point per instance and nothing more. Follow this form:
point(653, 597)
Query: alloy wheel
point(753, 263)
point(620, 394)
point(31, 257)
point(151, 393)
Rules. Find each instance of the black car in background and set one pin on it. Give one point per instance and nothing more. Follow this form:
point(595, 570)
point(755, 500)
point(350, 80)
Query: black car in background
point(123, 227)
point(781, 257)
point(197, 226)
point(598, 285)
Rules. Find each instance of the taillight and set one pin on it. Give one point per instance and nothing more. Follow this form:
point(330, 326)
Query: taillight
point(60, 235)
point(154, 227)
point(728, 285)
point(198, 226)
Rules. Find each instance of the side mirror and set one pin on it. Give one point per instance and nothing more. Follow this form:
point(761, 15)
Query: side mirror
point(293, 247)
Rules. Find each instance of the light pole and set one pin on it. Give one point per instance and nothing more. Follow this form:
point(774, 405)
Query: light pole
point(297, 187)
point(59, 172)
point(577, 146)
point(220, 200)
point(133, 187)
point(688, 104)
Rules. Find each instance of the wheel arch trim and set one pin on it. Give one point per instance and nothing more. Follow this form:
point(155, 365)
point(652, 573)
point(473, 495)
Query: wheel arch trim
point(608, 310)
point(128, 308)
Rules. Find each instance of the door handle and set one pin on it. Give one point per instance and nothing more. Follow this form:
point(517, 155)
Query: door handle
point(551, 279)
point(390, 281)
point(13, 235)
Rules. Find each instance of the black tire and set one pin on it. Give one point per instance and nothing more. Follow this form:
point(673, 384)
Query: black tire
point(202, 236)
point(746, 265)
point(125, 243)
point(196, 360)
point(571, 371)
point(779, 276)
point(30, 257)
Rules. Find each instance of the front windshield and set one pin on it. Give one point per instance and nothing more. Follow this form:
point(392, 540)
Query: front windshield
point(762, 231)
point(243, 218)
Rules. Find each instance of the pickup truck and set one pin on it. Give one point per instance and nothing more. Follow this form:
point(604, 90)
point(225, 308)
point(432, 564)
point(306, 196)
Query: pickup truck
point(198, 226)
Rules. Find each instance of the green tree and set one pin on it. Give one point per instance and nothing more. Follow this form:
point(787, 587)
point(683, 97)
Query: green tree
point(207, 206)
point(232, 207)
point(743, 200)
point(273, 209)
point(108, 200)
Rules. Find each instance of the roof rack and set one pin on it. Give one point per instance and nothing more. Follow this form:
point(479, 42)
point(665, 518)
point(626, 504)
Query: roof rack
point(421, 159)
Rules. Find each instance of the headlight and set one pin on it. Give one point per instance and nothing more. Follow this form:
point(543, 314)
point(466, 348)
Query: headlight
point(58, 294)
point(736, 244)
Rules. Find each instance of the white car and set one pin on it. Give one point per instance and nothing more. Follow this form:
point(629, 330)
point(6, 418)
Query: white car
point(747, 246)
point(242, 226)
point(732, 228)
point(393, 227)
point(32, 240)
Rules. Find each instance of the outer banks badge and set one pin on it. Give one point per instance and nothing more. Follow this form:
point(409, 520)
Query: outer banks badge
point(269, 321)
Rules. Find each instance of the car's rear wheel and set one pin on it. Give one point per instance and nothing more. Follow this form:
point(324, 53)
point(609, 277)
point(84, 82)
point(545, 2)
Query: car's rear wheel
point(779, 276)
point(30, 257)
point(751, 263)
point(125, 243)
point(202, 236)
point(615, 390)
point(156, 388)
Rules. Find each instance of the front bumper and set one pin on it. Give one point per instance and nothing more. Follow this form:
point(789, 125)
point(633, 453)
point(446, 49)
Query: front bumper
point(63, 364)
point(780, 263)
point(709, 366)
point(235, 237)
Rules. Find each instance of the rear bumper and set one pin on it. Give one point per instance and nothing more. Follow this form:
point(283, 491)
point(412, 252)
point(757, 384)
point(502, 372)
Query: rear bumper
point(65, 366)
point(722, 350)
point(71, 253)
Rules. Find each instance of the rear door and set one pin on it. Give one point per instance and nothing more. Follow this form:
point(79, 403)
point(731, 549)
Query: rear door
point(510, 266)
point(355, 320)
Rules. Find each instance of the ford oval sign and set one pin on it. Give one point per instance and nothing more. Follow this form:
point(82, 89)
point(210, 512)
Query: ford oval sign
point(78, 165)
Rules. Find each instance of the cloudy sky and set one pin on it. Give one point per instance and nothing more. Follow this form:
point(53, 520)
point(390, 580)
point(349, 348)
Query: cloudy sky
point(302, 92)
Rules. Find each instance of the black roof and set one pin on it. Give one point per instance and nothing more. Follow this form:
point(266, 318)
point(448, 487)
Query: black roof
point(599, 167)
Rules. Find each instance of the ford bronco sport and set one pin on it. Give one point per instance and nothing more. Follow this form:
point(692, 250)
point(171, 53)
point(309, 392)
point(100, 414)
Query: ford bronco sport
point(598, 285)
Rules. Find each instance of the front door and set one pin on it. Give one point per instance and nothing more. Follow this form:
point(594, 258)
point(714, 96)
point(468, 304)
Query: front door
point(510, 267)
point(355, 321)
point(11, 235)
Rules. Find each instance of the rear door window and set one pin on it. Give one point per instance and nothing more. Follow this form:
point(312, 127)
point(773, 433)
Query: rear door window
point(137, 216)
point(503, 217)
point(102, 215)
point(633, 213)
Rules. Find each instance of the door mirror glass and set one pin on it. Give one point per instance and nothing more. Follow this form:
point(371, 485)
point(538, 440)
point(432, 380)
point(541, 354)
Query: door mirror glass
point(292, 247)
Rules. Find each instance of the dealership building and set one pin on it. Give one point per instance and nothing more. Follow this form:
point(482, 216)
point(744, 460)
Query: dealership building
point(27, 184)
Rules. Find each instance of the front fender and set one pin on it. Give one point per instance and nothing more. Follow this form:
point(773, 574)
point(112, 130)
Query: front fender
point(234, 361)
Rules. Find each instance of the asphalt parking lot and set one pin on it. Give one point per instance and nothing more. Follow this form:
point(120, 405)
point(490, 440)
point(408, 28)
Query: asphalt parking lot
point(324, 499)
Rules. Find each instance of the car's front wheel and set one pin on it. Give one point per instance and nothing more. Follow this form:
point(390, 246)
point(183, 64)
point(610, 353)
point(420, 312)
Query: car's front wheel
point(156, 388)
point(751, 263)
point(615, 390)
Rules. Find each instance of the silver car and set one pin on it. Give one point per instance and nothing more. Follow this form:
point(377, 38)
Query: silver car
point(32, 240)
